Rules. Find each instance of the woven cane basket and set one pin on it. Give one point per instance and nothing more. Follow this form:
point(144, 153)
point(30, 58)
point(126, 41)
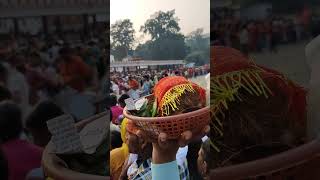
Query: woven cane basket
point(174, 125)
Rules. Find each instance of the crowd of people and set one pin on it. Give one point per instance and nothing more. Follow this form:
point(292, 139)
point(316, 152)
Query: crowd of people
point(257, 35)
point(140, 83)
point(41, 80)
point(131, 154)
point(143, 81)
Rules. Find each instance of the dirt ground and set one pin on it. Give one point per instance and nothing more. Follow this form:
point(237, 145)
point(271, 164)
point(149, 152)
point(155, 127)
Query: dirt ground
point(290, 60)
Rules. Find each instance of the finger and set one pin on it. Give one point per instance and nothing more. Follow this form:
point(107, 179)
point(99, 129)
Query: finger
point(163, 141)
point(185, 138)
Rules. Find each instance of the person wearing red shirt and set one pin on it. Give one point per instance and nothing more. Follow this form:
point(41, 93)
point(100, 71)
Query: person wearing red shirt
point(74, 71)
point(133, 84)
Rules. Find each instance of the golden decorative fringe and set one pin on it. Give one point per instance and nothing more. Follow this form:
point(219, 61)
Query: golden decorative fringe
point(170, 101)
point(224, 89)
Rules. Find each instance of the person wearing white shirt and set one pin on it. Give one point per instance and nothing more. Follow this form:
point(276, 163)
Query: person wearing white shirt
point(19, 88)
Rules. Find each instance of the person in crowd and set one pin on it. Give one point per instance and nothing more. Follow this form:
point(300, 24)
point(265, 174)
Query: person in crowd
point(116, 110)
point(192, 157)
point(141, 167)
point(36, 122)
point(119, 155)
point(164, 162)
point(146, 87)
point(22, 156)
point(38, 82)
point(204, 161)
point(115, 87)
point(133, 87)
point(121, 100)
point(17, 83)
point(74, 71)
point(133, 84)
point(116, 141)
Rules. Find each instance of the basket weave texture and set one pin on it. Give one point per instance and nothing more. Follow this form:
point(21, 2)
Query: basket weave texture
point(174, 125)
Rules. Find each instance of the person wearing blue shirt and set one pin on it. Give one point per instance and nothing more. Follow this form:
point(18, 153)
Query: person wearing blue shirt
point(164, 164)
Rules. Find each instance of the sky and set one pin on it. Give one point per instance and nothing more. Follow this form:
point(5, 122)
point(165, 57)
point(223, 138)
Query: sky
point(193, 14)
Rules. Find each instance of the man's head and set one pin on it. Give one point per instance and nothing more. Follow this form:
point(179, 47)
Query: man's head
point(146, 78)
point(122, 99)
point(116, 141)
point(37, 121)
point(136, 144)
point(10, 121)
point(205, 158)
point(113, 100)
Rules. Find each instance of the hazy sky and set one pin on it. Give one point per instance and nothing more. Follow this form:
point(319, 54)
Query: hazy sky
point(193, 14)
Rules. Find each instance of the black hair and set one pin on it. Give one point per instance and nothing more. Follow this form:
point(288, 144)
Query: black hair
point(43, 112)
point(207, 153)
point(4, 169)
point(122, 98)
point(10, 121)
point(192, 157)
point(5, 94)
point(113, 100)
point(116, 140)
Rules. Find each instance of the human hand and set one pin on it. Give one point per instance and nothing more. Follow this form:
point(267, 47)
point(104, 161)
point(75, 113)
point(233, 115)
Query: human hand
point(165, 150)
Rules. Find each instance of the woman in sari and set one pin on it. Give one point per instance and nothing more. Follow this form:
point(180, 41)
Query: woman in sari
point(119, 155)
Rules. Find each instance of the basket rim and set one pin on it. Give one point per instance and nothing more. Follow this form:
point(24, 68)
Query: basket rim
point(166, 118)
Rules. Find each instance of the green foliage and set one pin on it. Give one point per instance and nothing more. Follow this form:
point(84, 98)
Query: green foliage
point(166, 41)
point(172, 47)
point(119, 52)
point(122, 37)
point(199, 48)
point(161, 24)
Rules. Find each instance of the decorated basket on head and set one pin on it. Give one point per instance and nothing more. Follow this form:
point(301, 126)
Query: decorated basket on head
point(256, 111)
point(176, 105)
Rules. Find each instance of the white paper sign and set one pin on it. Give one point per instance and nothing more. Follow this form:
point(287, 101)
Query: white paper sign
point(130, 104)
point(93, 134)
point(64, 135)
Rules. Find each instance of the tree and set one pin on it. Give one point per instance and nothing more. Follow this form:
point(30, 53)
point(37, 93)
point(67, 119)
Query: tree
point(122, 37)
point(199, 46)
point(171, 47)
point(166, 40)
point(161, 24)
point(197, 57)
point(119, 52)
point(196, 40)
